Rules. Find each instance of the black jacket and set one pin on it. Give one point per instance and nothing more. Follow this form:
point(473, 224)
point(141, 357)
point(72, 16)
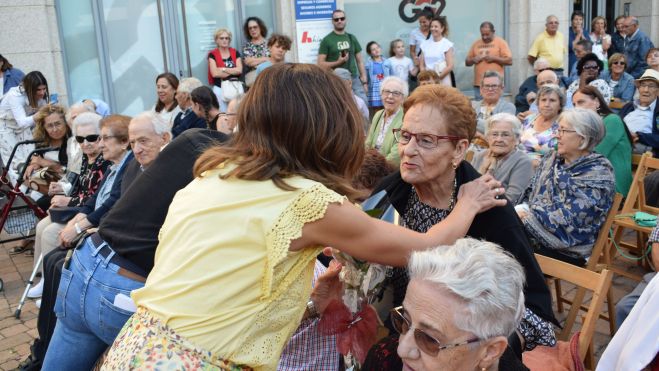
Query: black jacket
point(499, 225)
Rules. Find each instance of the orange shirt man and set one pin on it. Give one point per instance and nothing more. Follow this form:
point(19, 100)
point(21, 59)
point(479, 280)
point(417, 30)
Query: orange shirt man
point(490, 52)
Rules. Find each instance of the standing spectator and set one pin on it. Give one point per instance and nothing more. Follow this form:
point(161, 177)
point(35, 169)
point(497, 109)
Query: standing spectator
point(490, 53)
point(616, 145)
point(420, 34)
point(9, 76)
point(167, 107)
point(376, 71)
point(620, 81)
point(589, 68)
point(278, 45)
point(637, 45)
point(492, 90)
point(380, 135)
point(640, 116)
point(341, 49)
point(652, 58)
point(581, 48)
point(186, 119)
point(224, 64)
point(255, 51)
point(601, 40)
point(576, 34)
point(16, 118)
point(530, 85)
point(346, 76)
point(618, 37)
point(437, 52)
point(550, 44)
point(400, 64)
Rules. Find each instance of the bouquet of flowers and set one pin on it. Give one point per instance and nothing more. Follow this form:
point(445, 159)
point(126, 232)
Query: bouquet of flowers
point(354, 321)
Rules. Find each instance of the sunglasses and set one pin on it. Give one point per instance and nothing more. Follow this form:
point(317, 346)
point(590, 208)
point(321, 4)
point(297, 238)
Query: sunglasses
point(425, 342)
point(591, 67)
point(619, 62)
point(339, 19)
point(89, 138)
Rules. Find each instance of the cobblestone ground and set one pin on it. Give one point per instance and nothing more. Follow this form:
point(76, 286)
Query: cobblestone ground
point(16, 335)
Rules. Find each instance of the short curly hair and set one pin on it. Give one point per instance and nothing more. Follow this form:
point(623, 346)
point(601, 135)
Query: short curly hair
point(453, 106)
point(281, 40)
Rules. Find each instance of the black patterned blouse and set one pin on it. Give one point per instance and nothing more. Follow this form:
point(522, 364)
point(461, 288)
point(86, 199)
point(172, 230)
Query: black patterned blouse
point(90, 178)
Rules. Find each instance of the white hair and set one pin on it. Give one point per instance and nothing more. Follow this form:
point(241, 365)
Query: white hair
point(398, 80)
point(160, 126)
point(92, 119)
point(188, 84)
point(75, 107)
point(587, 124)
point(505, 117)
point(488, 281)
point(539, 61)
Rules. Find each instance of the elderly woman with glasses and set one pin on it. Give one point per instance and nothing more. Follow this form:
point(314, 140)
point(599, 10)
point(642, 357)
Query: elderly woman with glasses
point(457, 314)
point(588, 69)
point(437, 128)
point(571, 192)
point(512, 167)
point(393, 91)
point(619, 81)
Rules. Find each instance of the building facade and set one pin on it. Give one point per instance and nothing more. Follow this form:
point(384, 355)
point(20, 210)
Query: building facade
point(114, 49)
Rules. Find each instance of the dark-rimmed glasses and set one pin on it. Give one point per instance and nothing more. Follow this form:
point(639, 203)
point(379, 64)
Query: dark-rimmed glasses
point(562, 132)
point(93, 138)
point(425, 342)
point(423, 140)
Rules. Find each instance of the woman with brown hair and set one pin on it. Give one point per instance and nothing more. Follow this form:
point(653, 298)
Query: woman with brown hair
point(278, 192)
point(167, 106)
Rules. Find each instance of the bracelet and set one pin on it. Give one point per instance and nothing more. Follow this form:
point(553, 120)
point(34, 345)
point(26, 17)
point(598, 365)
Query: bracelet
point(312, 311)
point(77, 227)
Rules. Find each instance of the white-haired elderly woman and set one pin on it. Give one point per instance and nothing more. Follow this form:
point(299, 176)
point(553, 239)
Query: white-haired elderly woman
point(571, 192)
point(457, 314)
point(393, 91)
point(539, 129)
point(512, 167)
point(86, 132)
point(186, 119)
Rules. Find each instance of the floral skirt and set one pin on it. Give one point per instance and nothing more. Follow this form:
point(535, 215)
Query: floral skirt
point(145, 343)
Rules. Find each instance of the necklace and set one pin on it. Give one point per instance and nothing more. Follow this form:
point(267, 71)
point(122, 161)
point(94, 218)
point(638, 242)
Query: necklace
point(451, 202)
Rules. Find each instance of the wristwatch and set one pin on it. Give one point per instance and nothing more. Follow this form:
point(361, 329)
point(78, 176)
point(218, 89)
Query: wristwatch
point(77, 227)
point(312, 311)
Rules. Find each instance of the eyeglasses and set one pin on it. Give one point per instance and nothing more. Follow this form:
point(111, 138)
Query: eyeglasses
point(224, 38)
point(562, 132)
point(394, 93)
point(427, 141)
point(339, 19)
point(106, 137)
point(619, 62)
point(490, 87)
point(649, 85)
point(591, 67)
point(54, 125)
point(253, 28)
point(226, 114)
point(500, 134)
point(425, 342)
point(89, 138)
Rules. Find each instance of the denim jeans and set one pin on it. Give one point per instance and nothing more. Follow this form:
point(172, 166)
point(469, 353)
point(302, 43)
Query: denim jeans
point(87, 320)
point(625, 305)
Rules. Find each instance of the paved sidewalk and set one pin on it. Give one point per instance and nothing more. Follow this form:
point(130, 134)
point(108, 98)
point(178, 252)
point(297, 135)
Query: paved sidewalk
point(16, 335)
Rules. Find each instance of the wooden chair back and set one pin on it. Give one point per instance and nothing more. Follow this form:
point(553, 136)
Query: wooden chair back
point(598, 283)
point(636, 196)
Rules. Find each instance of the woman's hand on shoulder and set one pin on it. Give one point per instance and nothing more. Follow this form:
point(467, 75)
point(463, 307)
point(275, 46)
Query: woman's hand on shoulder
point(483, 193)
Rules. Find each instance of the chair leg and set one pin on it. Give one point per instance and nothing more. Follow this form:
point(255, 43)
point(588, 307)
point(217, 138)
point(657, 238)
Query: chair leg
point(612, 312)
point(559, 295)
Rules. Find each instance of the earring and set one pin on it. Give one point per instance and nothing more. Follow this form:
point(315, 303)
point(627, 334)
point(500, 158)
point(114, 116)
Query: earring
point(454, 165)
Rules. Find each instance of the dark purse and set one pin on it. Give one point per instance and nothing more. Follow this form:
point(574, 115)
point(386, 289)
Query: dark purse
point(62, 215)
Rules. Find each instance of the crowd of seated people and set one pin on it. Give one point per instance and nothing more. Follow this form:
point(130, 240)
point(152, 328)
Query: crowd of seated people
point(236, 184)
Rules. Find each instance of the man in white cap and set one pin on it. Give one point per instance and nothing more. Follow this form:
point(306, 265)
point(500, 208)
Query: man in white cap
point(346, 76)
point(640, 116)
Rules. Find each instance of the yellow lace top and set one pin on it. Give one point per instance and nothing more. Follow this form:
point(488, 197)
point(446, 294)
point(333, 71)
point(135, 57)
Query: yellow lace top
point(224, 277)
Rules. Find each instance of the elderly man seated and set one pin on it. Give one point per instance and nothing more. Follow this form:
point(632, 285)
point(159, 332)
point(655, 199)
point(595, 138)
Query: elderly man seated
point(491, 89)
point(641, 116)
point(186, 119)
point(345, 75)
point(530, 85)
point(546, 77)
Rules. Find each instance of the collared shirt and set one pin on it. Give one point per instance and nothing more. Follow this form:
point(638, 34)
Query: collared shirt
point(654, 236)
point(552, 48)
point(106, 188)
point(640, 119)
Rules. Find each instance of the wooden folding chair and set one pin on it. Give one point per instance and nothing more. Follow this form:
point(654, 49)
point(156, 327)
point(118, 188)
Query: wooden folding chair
point(584, 279)
point(597, 262)
point(635, 202)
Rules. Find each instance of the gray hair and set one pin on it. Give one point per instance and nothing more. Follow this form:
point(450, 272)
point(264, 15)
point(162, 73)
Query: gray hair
point(92, 119)
point(75, 107)
point(505, 117)
point(473, 270)
point(555, 89)
point(550, 17)
point(160, 126)
point(403, 84)
point(188, 84)
point(587, 124)
point(539, 61)
point(492, 73)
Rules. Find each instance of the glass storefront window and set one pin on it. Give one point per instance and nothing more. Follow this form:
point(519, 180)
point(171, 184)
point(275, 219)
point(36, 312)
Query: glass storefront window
point(365, 21)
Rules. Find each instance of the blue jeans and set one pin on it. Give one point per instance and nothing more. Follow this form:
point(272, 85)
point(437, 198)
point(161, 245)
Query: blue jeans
point(87, 320)
point(625, 305)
